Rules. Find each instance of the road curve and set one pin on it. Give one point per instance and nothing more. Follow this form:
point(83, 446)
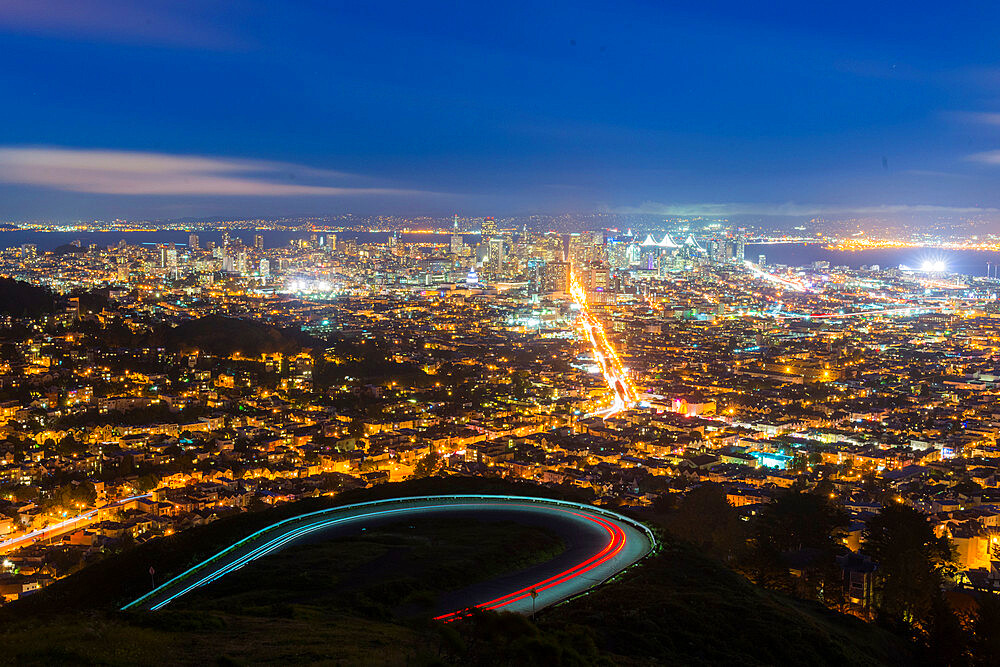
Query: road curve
point(613, 542)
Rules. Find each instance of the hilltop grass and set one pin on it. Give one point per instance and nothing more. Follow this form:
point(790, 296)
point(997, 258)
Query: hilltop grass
point(677, 607)
point(387, 572)
point(680, 607)
point(338, 600)
point(114, 581)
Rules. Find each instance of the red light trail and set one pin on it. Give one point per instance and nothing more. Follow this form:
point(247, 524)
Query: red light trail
point(610, 550)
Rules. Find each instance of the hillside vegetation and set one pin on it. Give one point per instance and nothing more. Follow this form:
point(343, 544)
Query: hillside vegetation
point(677, 607)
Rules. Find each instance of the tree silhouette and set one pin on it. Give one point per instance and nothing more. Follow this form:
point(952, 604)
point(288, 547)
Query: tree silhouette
point(425, 466)
point(912, 566)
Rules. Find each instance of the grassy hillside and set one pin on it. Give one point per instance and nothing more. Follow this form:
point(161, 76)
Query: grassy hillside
point(357, 601)
point(682, 608)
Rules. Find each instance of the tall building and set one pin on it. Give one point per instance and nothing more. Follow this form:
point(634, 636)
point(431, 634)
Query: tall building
point(265, 269)
point(586, 247)
point(555, 277)
point(594, 277)
point(618, 254)
point(495, 257)
point(168, 256)
point(634, 254)
point(258, 242)
point(489, 228)
point(192, 242)
point(715, 251)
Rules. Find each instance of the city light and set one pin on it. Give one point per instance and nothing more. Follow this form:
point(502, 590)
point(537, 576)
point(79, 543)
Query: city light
point(623, 392)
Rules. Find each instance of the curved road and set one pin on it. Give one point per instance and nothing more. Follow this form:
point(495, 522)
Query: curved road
point(600, 544)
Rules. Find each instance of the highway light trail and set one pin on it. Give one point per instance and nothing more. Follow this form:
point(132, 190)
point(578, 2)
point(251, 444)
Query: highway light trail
point(785, 283)
point(627, 542)
point(63, 526)
point(624, 392)
point(610, 550)
point(269, 547)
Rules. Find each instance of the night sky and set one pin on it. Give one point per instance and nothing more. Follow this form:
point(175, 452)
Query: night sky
point(210, 108)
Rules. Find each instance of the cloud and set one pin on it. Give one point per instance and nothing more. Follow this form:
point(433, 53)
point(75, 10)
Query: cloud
point(137, 173)
point(979, 117)
point(793, 209)
point(986, 157)
point(159, 22)
point(931, 173)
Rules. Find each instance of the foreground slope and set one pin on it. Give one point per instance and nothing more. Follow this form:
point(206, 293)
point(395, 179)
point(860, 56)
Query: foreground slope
point(675, 607)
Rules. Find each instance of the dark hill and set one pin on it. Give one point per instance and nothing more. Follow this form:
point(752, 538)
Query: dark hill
point(223, 336)
point(68, 249)
point(21, 299)
point(675, 608)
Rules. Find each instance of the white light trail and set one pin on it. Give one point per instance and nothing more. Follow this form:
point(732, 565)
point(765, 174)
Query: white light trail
point(624, 392)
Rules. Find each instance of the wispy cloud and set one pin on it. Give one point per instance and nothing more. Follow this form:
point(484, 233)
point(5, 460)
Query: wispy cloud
point(139, 173)
point(793, 209)
point(986, 157)
point(978, 117)
point(932, 173)
point(158, 22)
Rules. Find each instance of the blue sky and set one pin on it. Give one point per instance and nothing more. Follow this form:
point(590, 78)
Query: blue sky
point(170, 109)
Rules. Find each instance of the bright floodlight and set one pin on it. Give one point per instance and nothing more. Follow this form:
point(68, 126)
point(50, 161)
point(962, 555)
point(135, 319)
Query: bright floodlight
point(934, 265)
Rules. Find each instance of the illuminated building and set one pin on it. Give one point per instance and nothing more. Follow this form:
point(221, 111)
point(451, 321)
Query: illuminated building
point(555, 277)
point(495, 257)
point(168, 256)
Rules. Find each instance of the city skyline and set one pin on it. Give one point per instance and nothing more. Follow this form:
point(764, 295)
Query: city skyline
point(157, 112)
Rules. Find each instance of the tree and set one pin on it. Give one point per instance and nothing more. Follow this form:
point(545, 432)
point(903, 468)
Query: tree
point(799, 529)
point(912, 567)
point(985, 643)
point(425, 466)
point(705, 518)
point(69, 445)
point(146, 483)
point(25, 493)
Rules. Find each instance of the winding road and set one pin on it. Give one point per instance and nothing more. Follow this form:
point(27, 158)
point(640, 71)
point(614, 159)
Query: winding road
point(600, 544)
